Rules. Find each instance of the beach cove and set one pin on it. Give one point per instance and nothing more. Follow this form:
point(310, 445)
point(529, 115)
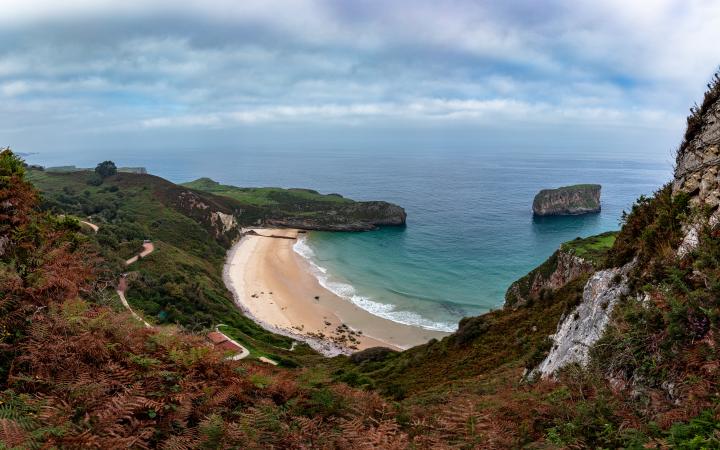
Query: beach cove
point(274, 286)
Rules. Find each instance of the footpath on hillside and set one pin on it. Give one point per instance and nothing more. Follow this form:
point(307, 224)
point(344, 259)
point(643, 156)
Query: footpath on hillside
point(218, 338)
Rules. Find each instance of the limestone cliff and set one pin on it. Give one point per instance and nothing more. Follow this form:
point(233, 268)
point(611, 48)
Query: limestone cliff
point(303, 208)
point(561, 268)
point(697, 162)
point(568, 200)
point(579, 330)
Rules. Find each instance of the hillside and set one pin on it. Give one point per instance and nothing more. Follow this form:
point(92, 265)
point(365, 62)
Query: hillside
point(614, 342)
point(308, 209)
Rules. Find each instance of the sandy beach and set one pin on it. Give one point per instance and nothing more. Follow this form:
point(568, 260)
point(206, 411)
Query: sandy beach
point(274, 286)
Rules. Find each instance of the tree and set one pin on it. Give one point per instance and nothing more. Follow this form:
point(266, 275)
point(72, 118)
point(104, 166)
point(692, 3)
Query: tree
point(106, 169)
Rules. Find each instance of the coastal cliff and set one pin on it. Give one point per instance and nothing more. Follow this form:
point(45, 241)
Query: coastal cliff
point(571, 261)
point(676, 225)
point(356, 216)
point(568, 200)
point(304, 209)
point(697, 160)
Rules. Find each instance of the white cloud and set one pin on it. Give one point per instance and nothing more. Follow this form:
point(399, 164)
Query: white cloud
point(224, 63)
point(499, 112)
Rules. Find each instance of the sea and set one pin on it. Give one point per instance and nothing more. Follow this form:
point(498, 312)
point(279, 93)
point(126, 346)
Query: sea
point(470, 229)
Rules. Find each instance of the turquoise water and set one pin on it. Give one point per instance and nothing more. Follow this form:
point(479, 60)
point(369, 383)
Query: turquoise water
point(470, 227)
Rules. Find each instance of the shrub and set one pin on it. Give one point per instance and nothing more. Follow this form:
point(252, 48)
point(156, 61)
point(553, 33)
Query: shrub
point(94, 179)
point(106, 169)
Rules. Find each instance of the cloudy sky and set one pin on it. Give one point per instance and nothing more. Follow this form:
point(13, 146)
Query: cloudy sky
point(614, 75)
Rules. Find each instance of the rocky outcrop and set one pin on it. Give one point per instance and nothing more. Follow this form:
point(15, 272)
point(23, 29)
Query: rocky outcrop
point(561, 268)
point(354, 216)
point(568, 200)
point(697, 161)
point(696, 166)
point(577, 332)
point(222, 222)
point(304, 209)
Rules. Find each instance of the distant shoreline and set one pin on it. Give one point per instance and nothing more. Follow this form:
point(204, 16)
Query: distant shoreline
point(274, 286)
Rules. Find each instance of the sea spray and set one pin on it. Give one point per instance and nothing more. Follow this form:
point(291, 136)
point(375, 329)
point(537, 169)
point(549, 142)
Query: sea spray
point(348, 292)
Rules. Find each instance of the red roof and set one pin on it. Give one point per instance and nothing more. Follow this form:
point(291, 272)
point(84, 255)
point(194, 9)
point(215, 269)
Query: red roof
point(227, 345)
point(216, 337)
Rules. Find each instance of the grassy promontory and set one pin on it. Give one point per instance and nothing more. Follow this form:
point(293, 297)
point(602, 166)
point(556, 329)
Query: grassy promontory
point(307, 209)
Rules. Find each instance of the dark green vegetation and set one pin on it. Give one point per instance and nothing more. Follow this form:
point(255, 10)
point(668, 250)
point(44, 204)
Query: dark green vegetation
point(106, 169)
point(75, 374)
point(695, 119)
point(307, 209)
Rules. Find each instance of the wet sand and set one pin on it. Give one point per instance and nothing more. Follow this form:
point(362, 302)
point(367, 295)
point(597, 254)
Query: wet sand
point(275, 286)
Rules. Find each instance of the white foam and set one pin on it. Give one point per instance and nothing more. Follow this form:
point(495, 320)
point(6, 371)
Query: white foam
point(348, 292)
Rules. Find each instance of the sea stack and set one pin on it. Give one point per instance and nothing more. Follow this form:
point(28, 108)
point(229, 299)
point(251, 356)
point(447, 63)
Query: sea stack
point(568, 200)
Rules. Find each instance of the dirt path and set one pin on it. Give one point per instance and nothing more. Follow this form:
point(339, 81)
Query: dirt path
point(122, 286)
point(148, 248)
point(94, 227)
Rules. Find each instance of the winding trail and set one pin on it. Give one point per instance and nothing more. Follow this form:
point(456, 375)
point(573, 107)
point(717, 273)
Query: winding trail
point(149, 247)
point(121, 288)
point(94, 227)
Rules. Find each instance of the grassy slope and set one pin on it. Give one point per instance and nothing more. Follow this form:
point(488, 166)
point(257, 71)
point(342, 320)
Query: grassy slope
point(303, 208)
point(593, 248)
point(181, 281)
point(267, 196)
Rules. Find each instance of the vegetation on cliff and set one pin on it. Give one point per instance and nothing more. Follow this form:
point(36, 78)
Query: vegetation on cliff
point(572, 260)
point(308, 209)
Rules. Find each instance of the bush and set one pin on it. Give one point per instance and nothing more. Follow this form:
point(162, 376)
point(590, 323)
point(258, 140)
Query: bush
point(373, 354)
point(106, 169)
point(94, 179)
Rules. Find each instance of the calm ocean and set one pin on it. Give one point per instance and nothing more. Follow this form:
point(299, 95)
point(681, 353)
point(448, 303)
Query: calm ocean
point(470, 227)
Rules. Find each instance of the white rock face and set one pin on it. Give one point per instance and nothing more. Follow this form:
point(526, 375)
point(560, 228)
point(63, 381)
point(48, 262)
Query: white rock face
point(586, 324)
point(223, 222)
point(692, 235)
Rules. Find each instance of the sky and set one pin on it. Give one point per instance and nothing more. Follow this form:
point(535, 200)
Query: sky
point(613, 76)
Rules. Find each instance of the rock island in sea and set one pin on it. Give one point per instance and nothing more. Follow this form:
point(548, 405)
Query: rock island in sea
point(568, 200)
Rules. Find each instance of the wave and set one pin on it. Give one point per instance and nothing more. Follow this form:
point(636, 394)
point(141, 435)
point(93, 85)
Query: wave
point(348, 292)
